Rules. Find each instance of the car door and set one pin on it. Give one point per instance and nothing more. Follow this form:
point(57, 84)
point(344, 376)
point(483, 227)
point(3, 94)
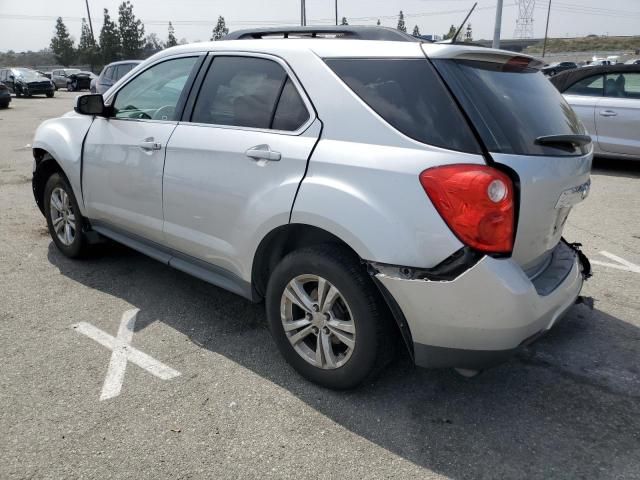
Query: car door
point(124, 154)
point(618, 114)
point(583, 97)
point(233, 168)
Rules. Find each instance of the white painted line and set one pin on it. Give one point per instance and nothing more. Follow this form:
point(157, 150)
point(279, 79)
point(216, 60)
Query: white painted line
point(123, 352)
point(621, 264)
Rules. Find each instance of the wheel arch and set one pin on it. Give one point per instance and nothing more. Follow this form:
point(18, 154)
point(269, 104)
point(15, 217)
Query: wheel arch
point(283, 240)
point(45, 166)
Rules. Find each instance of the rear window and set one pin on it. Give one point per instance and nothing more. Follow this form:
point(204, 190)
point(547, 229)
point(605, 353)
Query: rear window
point(408, 94)
point(511, 106)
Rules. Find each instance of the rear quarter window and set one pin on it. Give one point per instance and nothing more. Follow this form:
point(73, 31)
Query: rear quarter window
point(408, 94)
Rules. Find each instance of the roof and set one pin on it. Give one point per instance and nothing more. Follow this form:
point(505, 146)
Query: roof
point(341, 31)
point(121, 62)
point(564, 80)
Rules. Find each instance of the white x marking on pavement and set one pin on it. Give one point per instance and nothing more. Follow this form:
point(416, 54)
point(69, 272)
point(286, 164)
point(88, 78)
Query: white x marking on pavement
point(621, 263)
point(123, 352)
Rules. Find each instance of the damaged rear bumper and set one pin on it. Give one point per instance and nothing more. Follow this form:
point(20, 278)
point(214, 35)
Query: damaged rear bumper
point(481, 317)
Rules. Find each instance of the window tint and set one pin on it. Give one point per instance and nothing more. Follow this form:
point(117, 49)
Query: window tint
point(623, 85)
point(590, 86)
point(122, 70)
point(108, 74)
point(239, 91)
point(154, 94)
point(408, 94)
point(511, 106)
point(291, 112)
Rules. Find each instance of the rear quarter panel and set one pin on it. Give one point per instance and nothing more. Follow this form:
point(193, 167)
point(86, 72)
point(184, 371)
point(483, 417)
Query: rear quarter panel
point(370, 196)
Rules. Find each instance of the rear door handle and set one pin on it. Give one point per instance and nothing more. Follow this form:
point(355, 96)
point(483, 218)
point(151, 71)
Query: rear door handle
point(149, 144)
point(263, 152)
point(608, 113)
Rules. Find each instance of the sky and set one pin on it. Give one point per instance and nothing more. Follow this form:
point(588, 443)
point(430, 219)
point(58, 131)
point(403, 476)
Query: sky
point(29, 24)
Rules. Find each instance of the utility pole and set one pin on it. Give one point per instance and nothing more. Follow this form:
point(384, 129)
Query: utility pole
point(90, 24)
point(496, 30)
point(303, 13)
point(336, 12)
point(546, 31)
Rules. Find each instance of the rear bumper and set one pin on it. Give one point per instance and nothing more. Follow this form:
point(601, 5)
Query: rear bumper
point(485, 314)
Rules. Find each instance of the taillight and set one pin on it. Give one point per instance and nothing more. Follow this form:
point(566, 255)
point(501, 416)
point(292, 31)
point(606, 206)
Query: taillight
point(476, 202)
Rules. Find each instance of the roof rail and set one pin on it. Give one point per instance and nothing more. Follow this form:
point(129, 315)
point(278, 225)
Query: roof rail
point(346, 31)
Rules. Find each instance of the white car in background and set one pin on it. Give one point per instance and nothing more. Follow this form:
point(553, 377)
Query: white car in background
point(607, 99)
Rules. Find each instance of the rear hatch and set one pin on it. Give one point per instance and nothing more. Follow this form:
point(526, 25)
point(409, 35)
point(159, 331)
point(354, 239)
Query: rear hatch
point(527, 127)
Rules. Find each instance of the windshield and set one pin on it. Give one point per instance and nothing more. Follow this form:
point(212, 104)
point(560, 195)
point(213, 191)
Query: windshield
point(27, 74)
point(511, 106)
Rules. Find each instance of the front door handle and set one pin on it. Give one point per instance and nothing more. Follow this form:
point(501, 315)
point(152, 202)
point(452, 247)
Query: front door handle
point(263, 152)
point(608, 113)
point(149, 144)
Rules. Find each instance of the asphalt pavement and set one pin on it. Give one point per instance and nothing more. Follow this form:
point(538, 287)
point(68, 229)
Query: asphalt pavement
point(566, 407)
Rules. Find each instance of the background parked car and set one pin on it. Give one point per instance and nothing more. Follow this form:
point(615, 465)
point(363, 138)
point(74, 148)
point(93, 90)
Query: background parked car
point(27, 82)
point(558, 67)
point(80, 81)
point(111, 74)
point(633, 61)
point(60, 77)
point(5, 96)
point(607, 100)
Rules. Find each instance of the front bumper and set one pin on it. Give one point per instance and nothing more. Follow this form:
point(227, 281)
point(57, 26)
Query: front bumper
point(486, 313)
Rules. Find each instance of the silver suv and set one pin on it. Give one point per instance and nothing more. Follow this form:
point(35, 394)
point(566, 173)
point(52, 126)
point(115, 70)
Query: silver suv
point(371, 192)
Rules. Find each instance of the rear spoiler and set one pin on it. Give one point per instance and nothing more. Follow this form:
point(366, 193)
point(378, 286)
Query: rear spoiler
point(480, 54)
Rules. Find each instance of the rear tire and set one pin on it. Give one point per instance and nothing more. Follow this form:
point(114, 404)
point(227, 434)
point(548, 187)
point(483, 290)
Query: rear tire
point(49, 94)
point(64, 220)
point(353, 312)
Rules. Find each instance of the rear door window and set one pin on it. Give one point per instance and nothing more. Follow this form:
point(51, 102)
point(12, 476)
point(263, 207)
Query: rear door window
point(408, 94)
point(511, 105)
point(291, 112)
point(623, 85)
point(590, 86)
point(241, 92)
point(108, 74)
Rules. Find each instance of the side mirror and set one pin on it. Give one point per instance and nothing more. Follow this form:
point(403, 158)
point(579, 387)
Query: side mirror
point(92, 104)
point(11, 77)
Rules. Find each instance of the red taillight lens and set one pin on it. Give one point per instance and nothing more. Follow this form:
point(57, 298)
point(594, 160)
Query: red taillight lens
point(476, 202)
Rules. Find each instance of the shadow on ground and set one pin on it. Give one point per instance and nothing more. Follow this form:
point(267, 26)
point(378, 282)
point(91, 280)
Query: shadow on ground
point(567, 407)
point(616, 168)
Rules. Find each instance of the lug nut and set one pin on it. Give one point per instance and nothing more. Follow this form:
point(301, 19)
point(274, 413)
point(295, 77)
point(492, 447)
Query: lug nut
point(309, 316)
point(315, 307)
point(325, 330)
point(327, 317)
point(315, 330)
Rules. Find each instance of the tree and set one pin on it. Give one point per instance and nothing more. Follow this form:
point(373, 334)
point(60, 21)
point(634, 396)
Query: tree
point(109, 39)
point(468, 36)
point(344, 21)
point(378, 22)
point(131, 31)
point(152, 45)
point(87, 49)
point(401, 26)
point(416, 31)
point(452, 32)
point(62, 44)
point(172, 41)
point(220, 30)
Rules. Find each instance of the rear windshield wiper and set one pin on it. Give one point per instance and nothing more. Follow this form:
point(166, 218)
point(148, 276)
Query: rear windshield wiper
point(564, 140)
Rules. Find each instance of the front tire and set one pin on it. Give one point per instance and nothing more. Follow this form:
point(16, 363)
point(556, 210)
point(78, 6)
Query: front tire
point(327, 317)
point(64, 220)
point(49, 94)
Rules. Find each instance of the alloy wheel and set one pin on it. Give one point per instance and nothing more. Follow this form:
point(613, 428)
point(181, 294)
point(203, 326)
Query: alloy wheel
point(317, 321)
point(63, 218)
